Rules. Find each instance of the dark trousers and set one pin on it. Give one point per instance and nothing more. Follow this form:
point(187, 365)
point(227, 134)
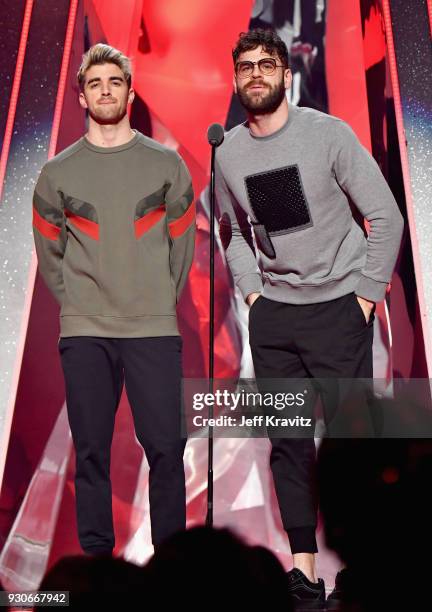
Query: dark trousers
point(94, 371)
point(322, 341)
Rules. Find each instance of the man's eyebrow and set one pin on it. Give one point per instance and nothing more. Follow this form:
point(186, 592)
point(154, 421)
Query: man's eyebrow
point(112, 78)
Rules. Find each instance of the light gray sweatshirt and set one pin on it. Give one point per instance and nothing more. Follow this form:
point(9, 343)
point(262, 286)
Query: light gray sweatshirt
point(305, 190)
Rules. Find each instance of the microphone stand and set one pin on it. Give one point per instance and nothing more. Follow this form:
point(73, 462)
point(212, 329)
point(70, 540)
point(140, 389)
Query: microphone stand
point(209, 517)
point(215, 136)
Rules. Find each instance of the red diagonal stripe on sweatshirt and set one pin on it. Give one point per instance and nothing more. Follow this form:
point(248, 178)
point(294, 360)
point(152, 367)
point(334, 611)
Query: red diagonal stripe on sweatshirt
point(49, 230)
point(178, 227)
point(90, 228)
point(144, 224)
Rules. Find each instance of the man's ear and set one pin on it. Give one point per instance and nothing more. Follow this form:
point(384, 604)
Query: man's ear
point(235, 84)
point(131, 95)
point(82, 100)
point(287, 78)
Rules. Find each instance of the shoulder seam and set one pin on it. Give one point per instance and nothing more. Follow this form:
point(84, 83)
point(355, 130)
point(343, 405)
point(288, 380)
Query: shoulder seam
point(163, 149)
point(54, 159)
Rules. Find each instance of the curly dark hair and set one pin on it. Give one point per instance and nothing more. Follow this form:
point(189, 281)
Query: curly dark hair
point(267, 38)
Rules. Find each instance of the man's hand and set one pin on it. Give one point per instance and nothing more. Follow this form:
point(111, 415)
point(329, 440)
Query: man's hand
point(251, 298)
point(366, 306)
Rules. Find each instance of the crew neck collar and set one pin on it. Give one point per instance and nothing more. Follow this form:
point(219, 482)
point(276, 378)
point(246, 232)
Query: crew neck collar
point(292, 110)
point(126, 145)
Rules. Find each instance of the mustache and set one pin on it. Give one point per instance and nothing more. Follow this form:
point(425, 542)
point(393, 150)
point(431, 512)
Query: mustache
point(107, 100)
point(255, 83)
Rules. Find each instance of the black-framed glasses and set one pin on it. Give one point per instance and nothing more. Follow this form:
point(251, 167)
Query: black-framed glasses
point(266, 65)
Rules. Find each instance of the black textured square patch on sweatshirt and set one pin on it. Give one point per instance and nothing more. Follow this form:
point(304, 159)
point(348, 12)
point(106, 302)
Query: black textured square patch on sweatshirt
point(278, 200)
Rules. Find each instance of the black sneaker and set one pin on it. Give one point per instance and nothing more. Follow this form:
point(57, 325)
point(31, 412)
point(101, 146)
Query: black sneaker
point(334, 600)
point(306, 595)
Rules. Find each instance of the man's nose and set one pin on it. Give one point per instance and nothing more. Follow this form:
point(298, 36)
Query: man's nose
point(256, 71)
point(106, 91)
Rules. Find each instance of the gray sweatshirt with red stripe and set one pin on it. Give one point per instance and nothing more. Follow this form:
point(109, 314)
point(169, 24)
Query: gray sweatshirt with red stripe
point(305, 190)
point(114, 229)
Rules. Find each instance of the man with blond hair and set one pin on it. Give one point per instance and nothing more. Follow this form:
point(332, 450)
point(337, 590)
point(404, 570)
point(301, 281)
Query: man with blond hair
point(114, 227)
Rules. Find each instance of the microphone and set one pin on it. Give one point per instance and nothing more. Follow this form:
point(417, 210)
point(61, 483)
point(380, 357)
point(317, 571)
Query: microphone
point(215, 134)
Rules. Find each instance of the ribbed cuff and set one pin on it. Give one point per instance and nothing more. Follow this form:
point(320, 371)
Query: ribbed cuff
point(98, 551)
point(250, 283)
point(302, 540)
point(370, 289)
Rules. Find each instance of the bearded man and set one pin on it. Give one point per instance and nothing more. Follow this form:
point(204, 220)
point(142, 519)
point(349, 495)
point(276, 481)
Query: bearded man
point(303, 182)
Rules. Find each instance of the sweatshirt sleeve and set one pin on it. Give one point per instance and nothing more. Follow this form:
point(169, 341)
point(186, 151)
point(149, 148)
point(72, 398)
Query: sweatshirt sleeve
point(180, 207)
point(359, 176)
point(49, 231)
point(236, 237)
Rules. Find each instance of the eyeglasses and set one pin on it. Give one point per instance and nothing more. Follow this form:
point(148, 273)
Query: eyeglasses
point(266, 66)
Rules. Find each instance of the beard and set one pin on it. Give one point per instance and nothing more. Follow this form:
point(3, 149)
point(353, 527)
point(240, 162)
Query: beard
point(262, 104)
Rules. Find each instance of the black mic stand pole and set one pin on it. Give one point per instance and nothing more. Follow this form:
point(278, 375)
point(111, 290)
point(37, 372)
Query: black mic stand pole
point(215, 137)
point(209, 517)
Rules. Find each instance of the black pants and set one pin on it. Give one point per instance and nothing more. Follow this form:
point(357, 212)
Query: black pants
point(325, 340)
point(94, 371)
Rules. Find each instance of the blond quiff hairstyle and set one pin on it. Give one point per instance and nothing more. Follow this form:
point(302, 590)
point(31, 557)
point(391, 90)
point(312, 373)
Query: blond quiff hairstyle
point(104, 54)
